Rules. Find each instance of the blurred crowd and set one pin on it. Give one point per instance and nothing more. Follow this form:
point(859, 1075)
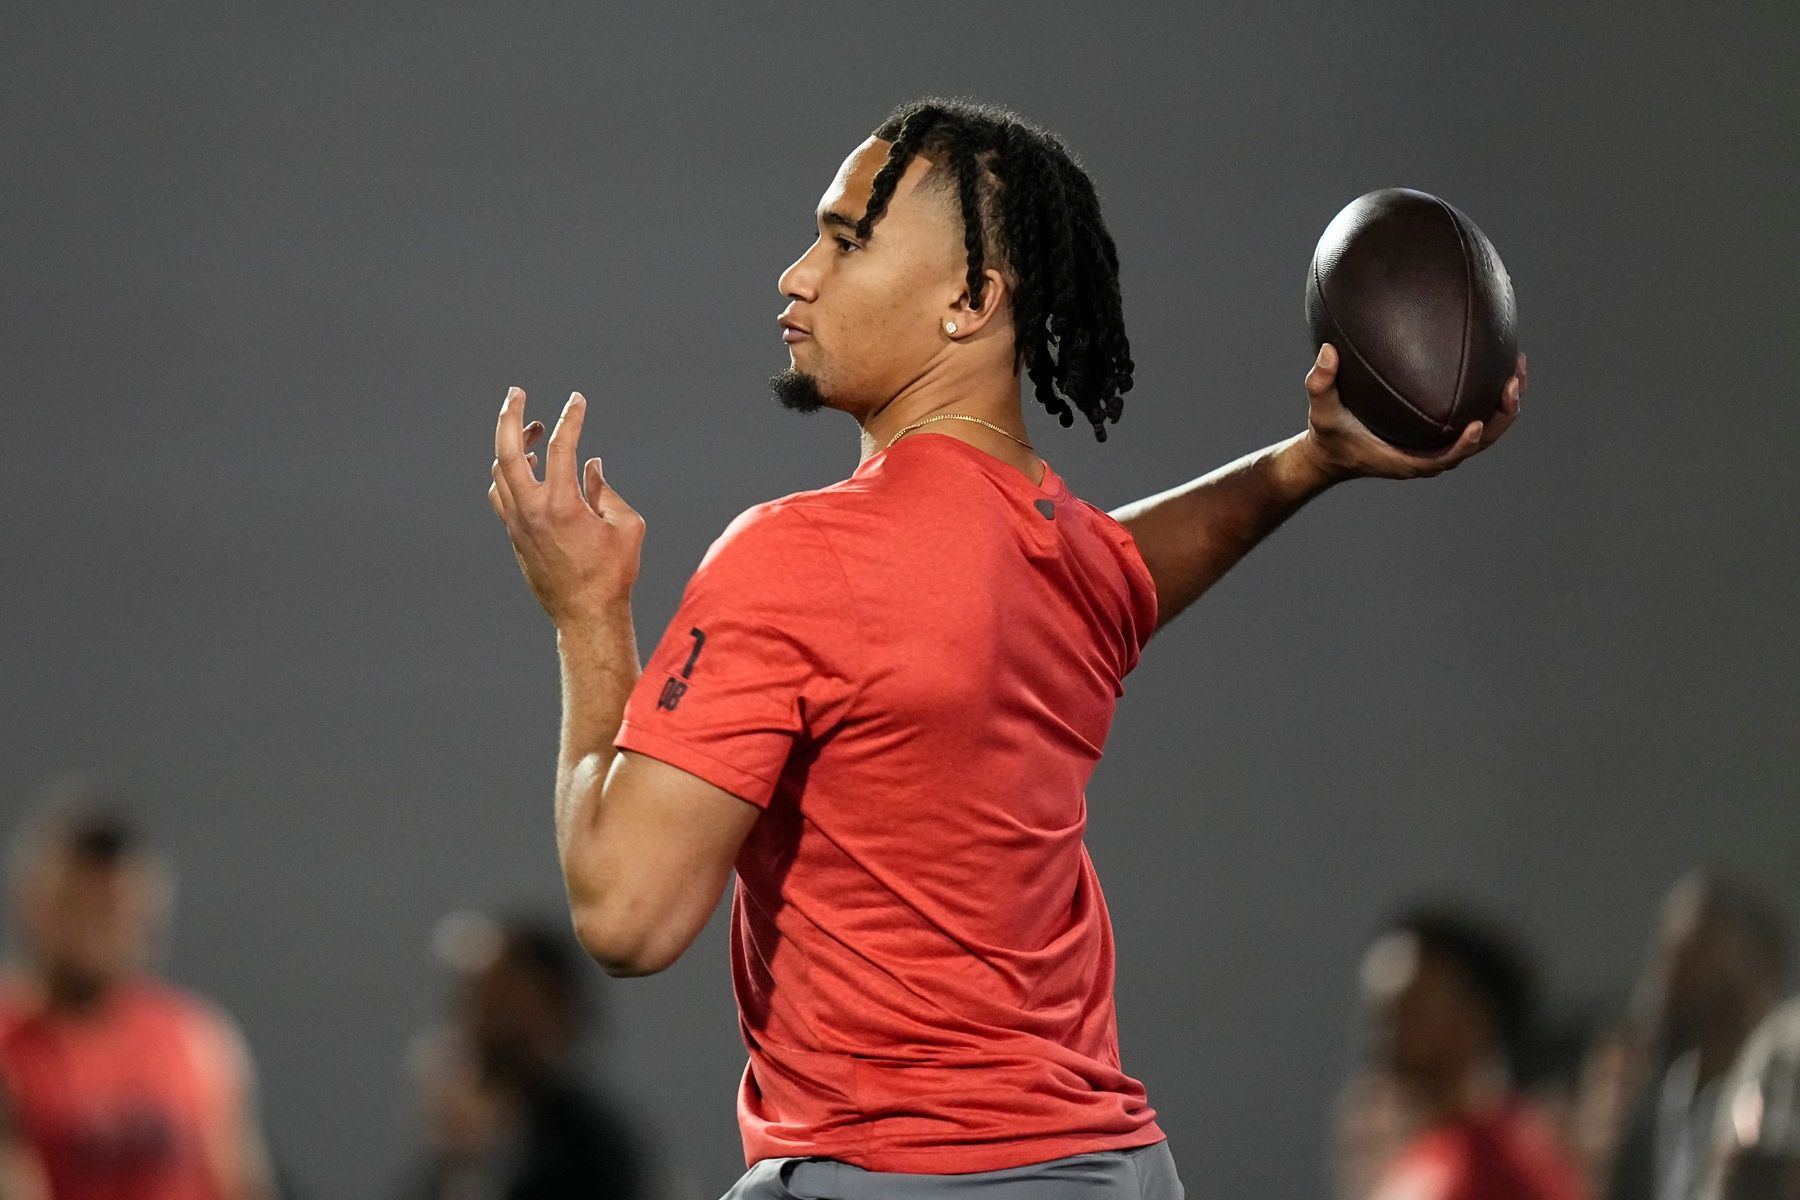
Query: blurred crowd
point(116, 1085)
point(1464, 1090)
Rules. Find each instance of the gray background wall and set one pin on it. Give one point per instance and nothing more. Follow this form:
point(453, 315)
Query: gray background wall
point(268, 271)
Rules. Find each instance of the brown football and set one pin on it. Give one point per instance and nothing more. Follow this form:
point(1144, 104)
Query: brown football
point(1421, 312)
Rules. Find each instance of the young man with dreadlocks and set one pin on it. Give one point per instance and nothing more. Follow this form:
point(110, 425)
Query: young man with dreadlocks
point(881, 700)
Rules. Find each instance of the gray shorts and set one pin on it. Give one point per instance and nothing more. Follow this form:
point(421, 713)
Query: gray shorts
point(1142, 1173)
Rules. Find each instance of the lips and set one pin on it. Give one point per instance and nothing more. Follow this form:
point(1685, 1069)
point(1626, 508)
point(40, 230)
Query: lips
point(792, 331)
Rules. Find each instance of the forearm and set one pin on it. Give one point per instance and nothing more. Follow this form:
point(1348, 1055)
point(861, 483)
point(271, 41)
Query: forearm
point(21, 1175)
point(21, 1178)
point(599, 668)
point(1191, 535)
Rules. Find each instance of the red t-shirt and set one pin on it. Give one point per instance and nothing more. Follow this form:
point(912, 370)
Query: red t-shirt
point(913, 673)
point(1506, 1154)
point(116, 1104)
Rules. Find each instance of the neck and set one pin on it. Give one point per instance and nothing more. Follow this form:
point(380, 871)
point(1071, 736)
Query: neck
point(1463, 1095)
point(64, 991)
point(991, 395)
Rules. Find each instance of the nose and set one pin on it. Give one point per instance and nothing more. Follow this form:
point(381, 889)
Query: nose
point(800, 281)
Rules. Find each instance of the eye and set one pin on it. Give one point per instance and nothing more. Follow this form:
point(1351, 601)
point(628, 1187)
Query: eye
point(845, 244)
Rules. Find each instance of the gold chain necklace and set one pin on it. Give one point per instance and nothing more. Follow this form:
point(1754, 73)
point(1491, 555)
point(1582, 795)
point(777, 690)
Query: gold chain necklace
point(958, 417)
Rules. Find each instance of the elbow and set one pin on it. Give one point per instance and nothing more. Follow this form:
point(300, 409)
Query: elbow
point(624, 949)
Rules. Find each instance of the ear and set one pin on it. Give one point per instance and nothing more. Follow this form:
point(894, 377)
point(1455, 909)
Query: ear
point(996, 299)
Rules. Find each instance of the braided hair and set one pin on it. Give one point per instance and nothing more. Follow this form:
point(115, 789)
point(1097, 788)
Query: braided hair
point(1029, 208)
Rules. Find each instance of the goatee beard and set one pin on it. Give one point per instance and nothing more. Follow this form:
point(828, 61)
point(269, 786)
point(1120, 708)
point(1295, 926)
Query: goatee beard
point(797, 390)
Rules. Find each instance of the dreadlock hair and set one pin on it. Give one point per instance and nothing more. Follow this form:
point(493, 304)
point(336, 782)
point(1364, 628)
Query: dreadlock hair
point(1029, 208)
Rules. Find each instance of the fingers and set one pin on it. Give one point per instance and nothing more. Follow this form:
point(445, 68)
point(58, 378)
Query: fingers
point(1323, 376)
point(499, 495)
point(559, 458)
point(601, 497)
point(593, 485)
point(515, 462)
point(1467, 443)
point(510, 467)
point(1435, 462)
point(1507, 412)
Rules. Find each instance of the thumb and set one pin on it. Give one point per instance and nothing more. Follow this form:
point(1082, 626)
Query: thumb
point(595, 482)
point(1323, 375)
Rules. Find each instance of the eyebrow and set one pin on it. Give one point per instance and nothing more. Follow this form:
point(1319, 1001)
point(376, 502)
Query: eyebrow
point(836, 220)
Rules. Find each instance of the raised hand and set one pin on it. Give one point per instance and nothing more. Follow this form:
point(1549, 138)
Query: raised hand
point(578, 550)
point(1343, 448)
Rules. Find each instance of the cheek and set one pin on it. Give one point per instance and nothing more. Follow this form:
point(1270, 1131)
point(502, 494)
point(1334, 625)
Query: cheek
point(884, 307)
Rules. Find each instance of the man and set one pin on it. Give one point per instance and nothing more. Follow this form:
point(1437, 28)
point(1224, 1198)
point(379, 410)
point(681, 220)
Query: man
point(1718, 968)
point(510, 1117)
point(881, 700)
point(116, 1086)
point(1450, 1001)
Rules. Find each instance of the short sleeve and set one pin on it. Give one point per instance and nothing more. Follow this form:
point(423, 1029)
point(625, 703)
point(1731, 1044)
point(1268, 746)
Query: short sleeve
point(759, 656)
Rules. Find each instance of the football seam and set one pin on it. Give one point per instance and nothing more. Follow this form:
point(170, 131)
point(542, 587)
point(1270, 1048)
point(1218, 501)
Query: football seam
point(1462, 362)
point(1373, 373)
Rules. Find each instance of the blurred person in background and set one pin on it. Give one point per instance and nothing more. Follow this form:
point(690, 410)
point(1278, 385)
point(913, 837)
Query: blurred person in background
point(1756, 1149)
point(1579, 1076)
point(1551, 1073)
point(1718, 967)
point(1449, 998)
point(1370, 1124)
point(113, 1084)
point(508, 1117)
point(1611, 1071)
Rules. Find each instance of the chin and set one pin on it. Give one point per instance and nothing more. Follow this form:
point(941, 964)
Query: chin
point(799, 391)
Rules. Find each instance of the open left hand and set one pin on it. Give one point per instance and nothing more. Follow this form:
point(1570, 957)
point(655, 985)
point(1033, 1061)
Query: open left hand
point(579, 552)
point(1344, 448)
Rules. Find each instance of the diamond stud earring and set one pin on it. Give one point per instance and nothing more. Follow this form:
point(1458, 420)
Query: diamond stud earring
point(949, 326)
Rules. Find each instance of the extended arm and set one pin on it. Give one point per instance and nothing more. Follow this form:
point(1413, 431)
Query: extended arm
point(645, 847)
point(1191, 535)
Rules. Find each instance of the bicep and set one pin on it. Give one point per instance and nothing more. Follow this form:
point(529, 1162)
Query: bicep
point(234, 1142)
point(660, 852)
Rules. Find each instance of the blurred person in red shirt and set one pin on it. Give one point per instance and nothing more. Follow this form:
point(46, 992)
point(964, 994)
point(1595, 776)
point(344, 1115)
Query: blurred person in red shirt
point(1449, 997)
point(115, 1085)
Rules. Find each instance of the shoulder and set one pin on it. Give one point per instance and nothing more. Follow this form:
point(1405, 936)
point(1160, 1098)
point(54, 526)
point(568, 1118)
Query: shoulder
point(13, 1018)
point(15, 1000)
point(782, 520)
point(170, 1002)
point(1130, 559)
point(1108, 525)
point(778, 538)
point(1433, 1167)
point(212, 1037)
point(1529, 1139)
